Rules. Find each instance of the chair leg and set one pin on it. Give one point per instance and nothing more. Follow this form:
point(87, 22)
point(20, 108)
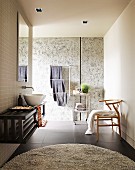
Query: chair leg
point(112, 123)
point(97, 128)
point(119, 128)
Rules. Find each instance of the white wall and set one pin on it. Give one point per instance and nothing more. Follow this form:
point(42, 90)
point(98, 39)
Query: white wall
point(119, 68)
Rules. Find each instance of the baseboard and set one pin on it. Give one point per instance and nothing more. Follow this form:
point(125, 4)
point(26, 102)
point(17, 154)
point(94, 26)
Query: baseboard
point(127, 138)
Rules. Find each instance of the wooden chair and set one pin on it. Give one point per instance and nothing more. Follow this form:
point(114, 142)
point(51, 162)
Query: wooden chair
point(112, 105)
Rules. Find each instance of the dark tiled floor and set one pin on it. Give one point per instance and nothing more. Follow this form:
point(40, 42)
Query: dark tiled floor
point(66, 132)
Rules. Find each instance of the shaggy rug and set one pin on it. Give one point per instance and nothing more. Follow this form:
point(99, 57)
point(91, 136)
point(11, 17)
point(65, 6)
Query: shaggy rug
point(70, 157)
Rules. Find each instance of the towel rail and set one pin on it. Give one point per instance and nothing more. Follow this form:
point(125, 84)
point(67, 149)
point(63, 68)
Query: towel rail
point(69, 76)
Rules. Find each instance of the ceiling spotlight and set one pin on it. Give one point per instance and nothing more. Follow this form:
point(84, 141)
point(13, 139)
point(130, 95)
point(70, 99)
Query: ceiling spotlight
point(38, 9)
point(85, 22)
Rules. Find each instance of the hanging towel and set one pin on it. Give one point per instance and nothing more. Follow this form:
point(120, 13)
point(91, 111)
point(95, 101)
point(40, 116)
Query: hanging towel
point(39, 116)
point(58, 86)
point(22, 73)
point(41, 123)
point(61, 98)
point(55, 73)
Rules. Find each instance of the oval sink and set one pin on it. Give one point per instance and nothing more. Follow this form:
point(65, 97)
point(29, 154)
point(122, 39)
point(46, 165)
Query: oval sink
point(34, 99)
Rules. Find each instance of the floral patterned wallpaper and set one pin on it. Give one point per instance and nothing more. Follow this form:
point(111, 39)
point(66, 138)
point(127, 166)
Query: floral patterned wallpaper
point(66, 52)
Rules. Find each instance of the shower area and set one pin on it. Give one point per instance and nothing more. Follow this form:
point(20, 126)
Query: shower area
point(81, 61)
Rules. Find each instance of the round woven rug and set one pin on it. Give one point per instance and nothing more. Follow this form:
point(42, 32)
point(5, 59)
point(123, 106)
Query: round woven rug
point(70, 157)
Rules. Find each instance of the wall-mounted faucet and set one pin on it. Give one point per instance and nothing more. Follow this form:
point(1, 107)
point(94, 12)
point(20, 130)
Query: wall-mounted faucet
point(26, 87)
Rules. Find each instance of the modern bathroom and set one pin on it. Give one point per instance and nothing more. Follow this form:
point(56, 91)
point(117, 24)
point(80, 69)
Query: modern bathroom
point(35, 55)
point(84, 59)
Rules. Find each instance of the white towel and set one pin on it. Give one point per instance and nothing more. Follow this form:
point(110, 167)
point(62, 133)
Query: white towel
point(80, 106)
point(91, 118)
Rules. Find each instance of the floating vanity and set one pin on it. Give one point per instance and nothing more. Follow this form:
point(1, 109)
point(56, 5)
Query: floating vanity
point(16, 126)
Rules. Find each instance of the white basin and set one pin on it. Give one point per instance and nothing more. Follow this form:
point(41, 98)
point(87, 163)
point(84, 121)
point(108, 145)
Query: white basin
point(34, 99)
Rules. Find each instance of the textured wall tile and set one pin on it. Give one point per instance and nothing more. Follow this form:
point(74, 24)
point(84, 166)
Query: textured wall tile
point(8, 64)
point(55, 51)
point(23, 51)
point(64, 52)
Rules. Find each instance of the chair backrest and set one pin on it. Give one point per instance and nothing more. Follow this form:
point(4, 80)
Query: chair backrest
point(113, 104)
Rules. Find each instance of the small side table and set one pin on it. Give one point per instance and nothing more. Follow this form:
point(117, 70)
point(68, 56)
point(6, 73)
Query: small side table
point(86, 110)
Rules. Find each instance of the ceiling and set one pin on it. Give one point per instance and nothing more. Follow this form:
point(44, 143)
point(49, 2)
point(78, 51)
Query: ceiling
point(63, 18)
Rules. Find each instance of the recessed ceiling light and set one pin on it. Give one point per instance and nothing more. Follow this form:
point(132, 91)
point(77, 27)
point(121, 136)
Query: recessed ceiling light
point(85, 22)
point(38, 9)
